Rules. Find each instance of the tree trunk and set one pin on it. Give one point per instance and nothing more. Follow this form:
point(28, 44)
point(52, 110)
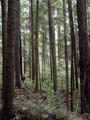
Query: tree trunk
point(84, 49)
point(8, 108)
point(52, 45)
point(73, 42)
point(33, 43)
point(66, 56)
point(4, 41)
point(17, 46)
point(43, 54)
point(59, 47)
point(51, 64)
point(21, 57)
point(30, 61)
point(36, 49)
point(24, 55)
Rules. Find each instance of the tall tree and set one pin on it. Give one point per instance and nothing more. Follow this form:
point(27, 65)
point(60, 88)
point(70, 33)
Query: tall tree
point(4, 39)
point(52, 45)
point(17, 45)
point(43, 54)
point(8, 108)
point(30, 62)
point(73, 52)
point(73, 41)
point(66, 55)
point(33, 43)
point(84, 49)
point(36, 47)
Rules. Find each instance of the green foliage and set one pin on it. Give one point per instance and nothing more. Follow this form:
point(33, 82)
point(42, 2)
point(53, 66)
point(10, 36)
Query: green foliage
point(15, 118)
point(29, 84)
point(72, 118)
point(51, 105)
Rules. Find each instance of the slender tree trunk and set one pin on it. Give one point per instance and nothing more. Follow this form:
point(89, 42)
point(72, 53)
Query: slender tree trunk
point(73, 52)
point(17, 46)
point(30, 62)
point(59, 46)
point(8, 103)
point(4, 41)
point(72, 80)
point(73, 42)
point(51, 64)
point(36, 48)
point(66, 56)
point(24, 54)
point(43, 55)
point(33, 43)
point(21, 57)
point(52, 45)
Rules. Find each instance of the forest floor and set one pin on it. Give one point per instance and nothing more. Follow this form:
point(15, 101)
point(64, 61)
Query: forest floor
point(40, 106)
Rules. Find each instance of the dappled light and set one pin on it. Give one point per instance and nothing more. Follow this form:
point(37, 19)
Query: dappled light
point(44, 60)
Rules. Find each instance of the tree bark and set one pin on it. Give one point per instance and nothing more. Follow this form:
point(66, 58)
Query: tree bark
point(17, 46)
point(73, 42)
point(66, 57)
point(84, 49)
point(52, 45)
point(4, 41)
point(30, 60)
point(33, 43)
point(36, 48)
point(21, 71)
point(8, 103)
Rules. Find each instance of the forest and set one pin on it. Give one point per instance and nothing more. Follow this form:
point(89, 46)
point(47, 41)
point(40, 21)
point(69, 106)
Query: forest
point(44, 59)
